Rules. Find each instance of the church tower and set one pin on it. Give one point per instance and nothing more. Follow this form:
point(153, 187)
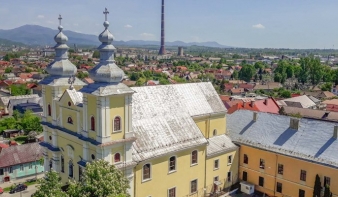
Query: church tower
point(107, 108)
point(61, 77)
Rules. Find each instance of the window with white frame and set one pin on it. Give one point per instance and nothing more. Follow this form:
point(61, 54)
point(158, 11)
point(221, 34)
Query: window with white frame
point(117, 123)
point(172, 192)
point(146, 172)
point(70, 169)
point(117, 157)
point(30, 166)
point(230, 159)
point(229, 177)
point(21, 167)
point(194, 156)
point(172, 164)
point(216, 164)
point(193, 186)
point(214, 133)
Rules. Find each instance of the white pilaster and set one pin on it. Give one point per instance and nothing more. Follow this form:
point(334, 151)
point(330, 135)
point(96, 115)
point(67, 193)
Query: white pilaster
point(85, 117)
point(55, 138)
point(102, 118)
point(44, 107)
point(56, 162)
point(45, 159)
point(45, 134)
point(130, 176)
point(85, 151)
point(99, 153)
point(126, 114)
point(79, 130)
point(108, 120)
point(60, 122)
point(130, 113)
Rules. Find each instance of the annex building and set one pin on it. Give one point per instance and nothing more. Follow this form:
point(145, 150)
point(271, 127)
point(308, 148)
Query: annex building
point(282, 155)
point(168, 140)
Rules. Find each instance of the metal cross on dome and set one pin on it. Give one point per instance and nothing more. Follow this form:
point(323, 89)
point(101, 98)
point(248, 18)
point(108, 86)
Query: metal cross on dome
point(60, 18)
point(106, 12)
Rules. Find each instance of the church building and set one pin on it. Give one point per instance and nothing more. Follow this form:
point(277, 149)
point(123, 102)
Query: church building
point(168, 140)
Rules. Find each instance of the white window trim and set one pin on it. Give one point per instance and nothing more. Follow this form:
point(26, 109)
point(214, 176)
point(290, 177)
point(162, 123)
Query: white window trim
point(232, 158)
point(217, 164)
point(170, 189)
point(196, 186)
point(172, 171)
point(118, 131)
point(151, 174)
point(193, 164)
point(120, 158)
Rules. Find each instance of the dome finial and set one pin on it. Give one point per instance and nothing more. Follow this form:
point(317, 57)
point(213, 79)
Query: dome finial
point(106, 12)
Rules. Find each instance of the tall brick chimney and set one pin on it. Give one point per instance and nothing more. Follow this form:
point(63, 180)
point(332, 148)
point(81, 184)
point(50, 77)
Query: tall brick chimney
point(162, 49)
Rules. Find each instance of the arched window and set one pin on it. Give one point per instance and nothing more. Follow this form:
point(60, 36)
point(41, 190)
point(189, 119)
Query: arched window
point(172, 163)
point(117, 123)
point(214, 133)
point(146, 171)
point(117, 157)
point(70, 120)
point(92, 123)
point(49, 110)
point(70, 167)
point(194, 157)
point(62, 164)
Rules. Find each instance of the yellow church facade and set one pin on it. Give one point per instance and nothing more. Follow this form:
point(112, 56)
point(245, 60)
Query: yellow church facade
point(168, 140)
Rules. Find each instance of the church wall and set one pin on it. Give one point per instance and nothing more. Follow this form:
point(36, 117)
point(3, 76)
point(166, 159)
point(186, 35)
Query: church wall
point(49, 100)
point(161, 180)
point(92, 105)
point(202, 125)
point(120, 150)
point(217, 123)
point(66, 112)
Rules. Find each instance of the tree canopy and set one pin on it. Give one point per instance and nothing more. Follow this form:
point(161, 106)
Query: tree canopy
point(27, 122)
point(17, 90)
point(247, 72)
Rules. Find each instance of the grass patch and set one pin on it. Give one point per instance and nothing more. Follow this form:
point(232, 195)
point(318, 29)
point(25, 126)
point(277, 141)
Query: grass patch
point(21, 139)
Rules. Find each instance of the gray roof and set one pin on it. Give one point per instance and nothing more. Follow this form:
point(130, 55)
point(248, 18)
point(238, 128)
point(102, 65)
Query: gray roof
point(16, 101)
point(313, 141)
point(20, 154)
point(77, 97)
point(162, 117)
point(60, 81)
point(6, 99)
point(220, 144)
point(105, 89)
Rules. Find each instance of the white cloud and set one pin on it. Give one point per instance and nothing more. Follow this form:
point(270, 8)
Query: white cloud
point(41, 16)
point(50, 22)
point(76, 24)
point(128, 26)
point(147, 35)
point(258, 26)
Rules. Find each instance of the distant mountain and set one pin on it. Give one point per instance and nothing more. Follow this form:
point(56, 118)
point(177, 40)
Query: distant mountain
point(38, 35)
point(5, 42)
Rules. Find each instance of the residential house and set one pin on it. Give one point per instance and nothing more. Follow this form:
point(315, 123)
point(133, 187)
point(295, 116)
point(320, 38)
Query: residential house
point(299, 101)
point(22, 104)
point(331, 105)
point(282, 155)
point(269, 86)
point(9, 133)
point(20, 161)
point(5, 100)
point(265, 105)
point(335, 90)
point(311, 113)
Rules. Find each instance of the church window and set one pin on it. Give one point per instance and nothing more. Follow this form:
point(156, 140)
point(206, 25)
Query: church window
point(70, 171)
point(146, 171)
point(117, 123)
point(214, 133)
point(70, 120)
point(62, 164)
point(69, 103)
point(93, 157)
point(117, 157)
point(92, 123)
point(49, 110)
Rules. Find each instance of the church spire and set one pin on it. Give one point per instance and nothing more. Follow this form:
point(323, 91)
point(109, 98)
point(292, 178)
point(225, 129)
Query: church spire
point(106, 71)
point(61, 66)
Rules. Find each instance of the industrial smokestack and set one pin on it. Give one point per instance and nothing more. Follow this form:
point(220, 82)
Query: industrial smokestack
point(162, 49)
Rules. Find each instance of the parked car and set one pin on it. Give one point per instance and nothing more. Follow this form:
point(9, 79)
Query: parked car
point(1, 191)
point(18, 188)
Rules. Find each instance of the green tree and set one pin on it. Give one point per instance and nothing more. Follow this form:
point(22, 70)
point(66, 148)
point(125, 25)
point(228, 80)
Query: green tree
point(8, 123)
point(222, 86)
point(247, 72)
point(141, 81)
point(285, 94)
point(30, 122)
point(326, 86)
point(50, 186)
point(327, 192)
point(259, 65)
point(289, 71)
point(96, 54)
point(278, 77)
point(100, 179)
point(8, 70)
point(82, 75)
point(315, 71)
point(235, 75)
point(304, 71)
point(317, 187)
point(17, 90)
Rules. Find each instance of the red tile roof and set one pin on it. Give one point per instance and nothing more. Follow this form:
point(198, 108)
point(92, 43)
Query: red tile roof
point(267, 105)
point(246, 105)
point(15, 155)
point(2, 145)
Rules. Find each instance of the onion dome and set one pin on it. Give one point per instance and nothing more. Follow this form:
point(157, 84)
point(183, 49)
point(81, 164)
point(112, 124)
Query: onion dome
point(61, 66)
point(106, 71)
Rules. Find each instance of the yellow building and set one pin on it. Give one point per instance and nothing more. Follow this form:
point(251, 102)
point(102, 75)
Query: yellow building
point(282, 155)
point(168, 140)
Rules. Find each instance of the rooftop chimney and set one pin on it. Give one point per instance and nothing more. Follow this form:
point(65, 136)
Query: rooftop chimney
point(252, 104)
point(335, 132)
point(255, 116)
point(266, 101)
point(294, 123)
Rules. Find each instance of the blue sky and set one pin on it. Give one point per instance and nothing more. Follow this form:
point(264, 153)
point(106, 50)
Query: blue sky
point(240, 23)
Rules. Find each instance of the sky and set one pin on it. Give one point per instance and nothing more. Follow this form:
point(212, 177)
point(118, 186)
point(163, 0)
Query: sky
point(238, 23)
